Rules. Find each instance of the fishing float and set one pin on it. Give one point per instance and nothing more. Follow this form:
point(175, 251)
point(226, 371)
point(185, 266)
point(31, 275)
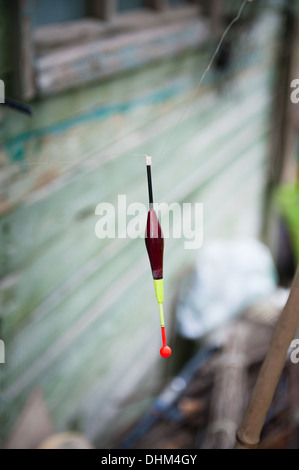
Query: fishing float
point(154, 241)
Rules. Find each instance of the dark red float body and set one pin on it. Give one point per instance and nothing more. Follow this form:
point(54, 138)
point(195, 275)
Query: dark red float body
point(154, 242)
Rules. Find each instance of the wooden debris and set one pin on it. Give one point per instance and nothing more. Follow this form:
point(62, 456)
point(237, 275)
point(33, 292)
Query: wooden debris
point(227, 404)
point(211, 407)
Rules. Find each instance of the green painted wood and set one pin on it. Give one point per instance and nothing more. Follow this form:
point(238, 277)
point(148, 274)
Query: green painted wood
point(68, 316)
point(57, 109)
point(45, 340)
point(81, 193)
point(121, 329)
point(28, 300)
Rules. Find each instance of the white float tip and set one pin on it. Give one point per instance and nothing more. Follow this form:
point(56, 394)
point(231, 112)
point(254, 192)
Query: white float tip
point(148, 160)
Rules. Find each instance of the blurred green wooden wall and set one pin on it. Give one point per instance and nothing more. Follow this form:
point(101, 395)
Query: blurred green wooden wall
point(69, 319)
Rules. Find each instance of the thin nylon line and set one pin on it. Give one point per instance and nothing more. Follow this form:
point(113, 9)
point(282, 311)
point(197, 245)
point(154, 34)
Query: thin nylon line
point(100, 157)
point(206, 71)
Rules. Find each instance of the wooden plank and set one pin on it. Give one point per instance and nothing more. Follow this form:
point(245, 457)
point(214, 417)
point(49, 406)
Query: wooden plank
point(71, 105)
point(52, 36)
point(115, 45)
point(105, 130)
point(23, 50)
point(229, 391)
point(58, 109)
point(12, 185)
point(73, 66)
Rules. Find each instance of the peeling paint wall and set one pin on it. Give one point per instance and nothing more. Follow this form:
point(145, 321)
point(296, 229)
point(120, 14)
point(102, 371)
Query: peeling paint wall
point(69, 319)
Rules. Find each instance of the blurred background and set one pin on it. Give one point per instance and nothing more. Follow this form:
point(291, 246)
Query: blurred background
point(108, 80)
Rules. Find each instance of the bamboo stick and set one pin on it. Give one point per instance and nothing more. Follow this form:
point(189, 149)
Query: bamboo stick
point(248, 434)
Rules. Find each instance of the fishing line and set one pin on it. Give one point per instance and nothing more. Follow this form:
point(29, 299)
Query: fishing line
point(206, 71)
point(154, 239)
point(110, 156)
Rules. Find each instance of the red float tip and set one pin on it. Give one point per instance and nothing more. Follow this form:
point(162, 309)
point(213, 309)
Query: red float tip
point(165, 351)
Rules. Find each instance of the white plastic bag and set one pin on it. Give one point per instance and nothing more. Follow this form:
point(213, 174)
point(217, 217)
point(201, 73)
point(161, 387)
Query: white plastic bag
point(230, 275)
